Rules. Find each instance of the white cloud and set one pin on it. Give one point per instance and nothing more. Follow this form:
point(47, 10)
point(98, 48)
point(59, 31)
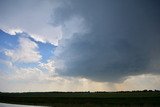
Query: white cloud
point(35, 79)
point(26, 52)
point(6, 63)
point(27, 74)
point(49, 66)
point(14, 31)
point(32, 17)
point(140, 82)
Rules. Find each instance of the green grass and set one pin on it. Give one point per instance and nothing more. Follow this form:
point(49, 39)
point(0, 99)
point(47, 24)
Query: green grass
point(85, 99)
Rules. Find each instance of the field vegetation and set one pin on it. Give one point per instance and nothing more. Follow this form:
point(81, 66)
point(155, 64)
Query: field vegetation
point(85, 99)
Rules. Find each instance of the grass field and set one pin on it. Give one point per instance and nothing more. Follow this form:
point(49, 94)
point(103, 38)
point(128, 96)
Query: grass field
point(85, 99)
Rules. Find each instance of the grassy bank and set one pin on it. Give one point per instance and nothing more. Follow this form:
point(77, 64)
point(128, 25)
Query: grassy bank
point(85, 99)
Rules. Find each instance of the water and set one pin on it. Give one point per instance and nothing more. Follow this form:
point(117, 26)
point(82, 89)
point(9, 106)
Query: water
point(15, 105)
point(76, 105)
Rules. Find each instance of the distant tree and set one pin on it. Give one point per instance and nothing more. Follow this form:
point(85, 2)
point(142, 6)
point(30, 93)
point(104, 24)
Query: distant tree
point(145, 90)
point(157, 90)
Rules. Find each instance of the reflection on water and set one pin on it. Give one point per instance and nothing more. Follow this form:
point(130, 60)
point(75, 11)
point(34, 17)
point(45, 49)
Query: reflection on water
point(15, 105)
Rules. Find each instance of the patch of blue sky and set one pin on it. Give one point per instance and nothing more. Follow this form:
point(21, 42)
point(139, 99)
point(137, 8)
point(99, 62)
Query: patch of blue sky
point(8, 41)
point(3, 56)
point(46, 50)
point(26, 65)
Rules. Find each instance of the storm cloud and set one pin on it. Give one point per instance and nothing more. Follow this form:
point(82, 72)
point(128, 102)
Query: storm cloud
point(123, 39)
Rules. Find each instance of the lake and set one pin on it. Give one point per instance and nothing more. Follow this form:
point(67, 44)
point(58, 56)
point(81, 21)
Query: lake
point(15, 105)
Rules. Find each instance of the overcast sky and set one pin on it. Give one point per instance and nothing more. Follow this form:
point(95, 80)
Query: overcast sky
point(79, 45)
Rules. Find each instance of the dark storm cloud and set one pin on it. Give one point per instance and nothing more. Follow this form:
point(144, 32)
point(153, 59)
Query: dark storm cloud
point(124, 39)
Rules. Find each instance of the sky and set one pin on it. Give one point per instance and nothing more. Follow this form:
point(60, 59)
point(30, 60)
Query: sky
point(79, 45)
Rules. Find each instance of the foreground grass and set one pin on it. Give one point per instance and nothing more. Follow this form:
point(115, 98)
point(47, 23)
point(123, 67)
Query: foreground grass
point(85, 99)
